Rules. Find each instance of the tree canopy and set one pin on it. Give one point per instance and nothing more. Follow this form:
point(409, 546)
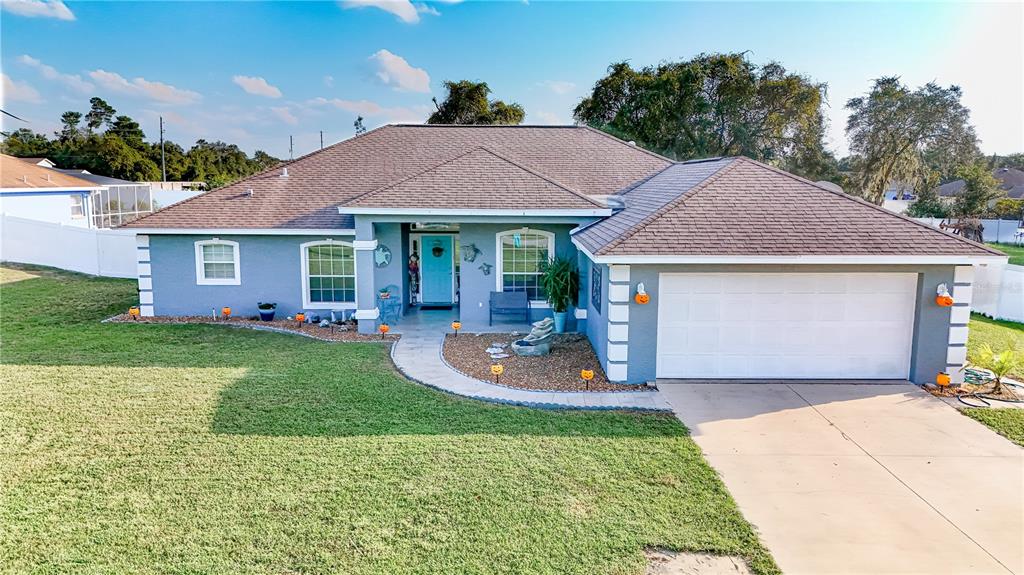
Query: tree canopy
point(467, 103)
point(901, 135)
point(715, 105)
point(116, 146)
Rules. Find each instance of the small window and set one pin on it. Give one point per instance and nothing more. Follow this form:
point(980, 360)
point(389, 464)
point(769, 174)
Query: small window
point(328, 275)
point(521, 256)
point(217, 262)
point(77, 206)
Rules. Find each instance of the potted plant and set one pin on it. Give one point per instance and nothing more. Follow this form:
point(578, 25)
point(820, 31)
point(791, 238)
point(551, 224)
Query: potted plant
point(561, 281)
point(266, 310)
point(1001, 363)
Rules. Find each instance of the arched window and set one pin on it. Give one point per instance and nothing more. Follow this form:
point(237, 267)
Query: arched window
point(521, 255)
point(328, 275)
point(217, 262)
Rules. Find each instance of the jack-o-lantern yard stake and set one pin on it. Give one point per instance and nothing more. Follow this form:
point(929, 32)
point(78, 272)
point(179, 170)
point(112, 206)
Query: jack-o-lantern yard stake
point(496, 370)
point(587, 375)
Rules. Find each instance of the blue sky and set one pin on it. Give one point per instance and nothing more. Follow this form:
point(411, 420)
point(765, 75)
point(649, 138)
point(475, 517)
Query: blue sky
point(253, 73)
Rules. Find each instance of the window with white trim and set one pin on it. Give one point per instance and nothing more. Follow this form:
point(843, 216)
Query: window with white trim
point(328, 274)
point(77, 206)
point(217, 262)
point(522, 254)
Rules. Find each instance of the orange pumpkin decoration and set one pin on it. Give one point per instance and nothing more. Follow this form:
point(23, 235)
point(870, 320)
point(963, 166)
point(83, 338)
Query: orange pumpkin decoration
point(134, 312)
point(587, 374)
point(497, 369)
point(300, 317)
point(642, 298)
point(942, 379)
point(225, 311)
point(944, 300)
point(383, 329)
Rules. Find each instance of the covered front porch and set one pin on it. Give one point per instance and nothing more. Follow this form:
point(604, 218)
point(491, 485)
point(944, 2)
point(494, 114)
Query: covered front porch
point(417, 273)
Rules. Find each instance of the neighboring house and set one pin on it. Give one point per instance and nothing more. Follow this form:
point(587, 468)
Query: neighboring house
point(167, 193)
point(44, 162)
point(752, 272)
point(34, 192)
point(119, 202)
point(1011, 181)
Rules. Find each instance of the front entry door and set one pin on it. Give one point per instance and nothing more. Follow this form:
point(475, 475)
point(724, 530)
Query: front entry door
point(437, 269)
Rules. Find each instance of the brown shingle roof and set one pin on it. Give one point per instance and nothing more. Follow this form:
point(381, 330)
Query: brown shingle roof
point(480, 180)
point(16, 173)
point(578, 158)
point(743, 207)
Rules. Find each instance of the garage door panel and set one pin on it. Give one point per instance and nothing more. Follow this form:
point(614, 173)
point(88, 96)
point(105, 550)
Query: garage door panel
point(787, 325)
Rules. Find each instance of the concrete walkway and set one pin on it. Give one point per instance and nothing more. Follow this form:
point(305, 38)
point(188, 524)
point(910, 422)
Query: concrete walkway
point(843, 478)
point(418, 356)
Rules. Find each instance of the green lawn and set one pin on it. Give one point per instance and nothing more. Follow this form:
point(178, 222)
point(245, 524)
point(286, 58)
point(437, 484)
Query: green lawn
point(1006, 422)
point(203, 449)
point(996, 333)
point(1016, 253)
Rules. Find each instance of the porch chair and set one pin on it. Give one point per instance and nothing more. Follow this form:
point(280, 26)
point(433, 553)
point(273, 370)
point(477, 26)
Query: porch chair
point(509, 303)
point(391, 306)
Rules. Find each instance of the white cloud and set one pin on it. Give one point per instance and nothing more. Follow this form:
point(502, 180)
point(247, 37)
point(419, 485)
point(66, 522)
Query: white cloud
point(404, 9)
point(393, 70)
point(558, 86)
point(426, 9)
point(372, 109)
point(284, 114)
point(546, 118)
point(329, 81)
point(14, 91)
point(143, 88)
point(39, 9)
point(257, 86)
point(73, 81)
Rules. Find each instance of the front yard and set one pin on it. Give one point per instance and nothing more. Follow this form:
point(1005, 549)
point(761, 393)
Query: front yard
point(997, 334)
point(195, 448)
point(1015, 252)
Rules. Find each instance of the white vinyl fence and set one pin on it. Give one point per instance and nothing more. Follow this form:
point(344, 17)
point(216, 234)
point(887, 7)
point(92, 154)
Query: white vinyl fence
point(999, 291)
point(999, 231)
point(96, 252)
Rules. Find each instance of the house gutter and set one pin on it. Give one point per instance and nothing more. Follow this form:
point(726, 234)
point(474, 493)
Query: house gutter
point(867, 259)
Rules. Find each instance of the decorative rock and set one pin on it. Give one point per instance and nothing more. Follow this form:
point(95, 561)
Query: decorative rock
point(499, 355)
point(493, 350)
point(499, 345)
point(324, 323)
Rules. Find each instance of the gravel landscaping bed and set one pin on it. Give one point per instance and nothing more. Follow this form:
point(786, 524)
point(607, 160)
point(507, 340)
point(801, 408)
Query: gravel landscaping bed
point(338, 333)
point(559, 371)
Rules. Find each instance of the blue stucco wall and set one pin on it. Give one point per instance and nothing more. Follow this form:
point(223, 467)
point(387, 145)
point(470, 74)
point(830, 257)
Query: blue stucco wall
point(393, 274)
point(596, 326)
point(270, 268)
point(931, 324)
point(475, 288)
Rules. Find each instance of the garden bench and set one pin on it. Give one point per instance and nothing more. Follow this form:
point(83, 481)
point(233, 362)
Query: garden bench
point(509, 303)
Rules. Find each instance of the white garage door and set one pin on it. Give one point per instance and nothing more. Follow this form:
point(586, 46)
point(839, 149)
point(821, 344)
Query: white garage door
point(785, 325)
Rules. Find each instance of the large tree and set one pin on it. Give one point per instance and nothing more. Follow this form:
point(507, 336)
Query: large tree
point(100, 113)
point(714, 105)
point(69, 130)
point(467, 103)
point(25, 143)
point(900, 135)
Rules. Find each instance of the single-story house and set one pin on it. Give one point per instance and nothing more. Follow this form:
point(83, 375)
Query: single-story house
point(1011, 182)
point(750, 272)
point(32, 191)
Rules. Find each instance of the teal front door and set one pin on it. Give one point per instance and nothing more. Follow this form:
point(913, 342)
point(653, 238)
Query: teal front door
point(437, 270)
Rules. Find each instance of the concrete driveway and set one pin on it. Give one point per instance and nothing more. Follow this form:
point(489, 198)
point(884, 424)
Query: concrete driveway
point(842, 478)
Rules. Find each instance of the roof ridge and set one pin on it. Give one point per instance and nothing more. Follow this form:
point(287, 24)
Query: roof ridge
point(871, 205)
point(283, 164)
point(543, 176)
point(668, 205)
point(627, 144)
point(463, 155)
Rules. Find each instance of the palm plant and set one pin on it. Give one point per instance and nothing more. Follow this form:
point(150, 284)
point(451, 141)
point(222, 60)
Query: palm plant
point(561, 282)
point(1001, 363)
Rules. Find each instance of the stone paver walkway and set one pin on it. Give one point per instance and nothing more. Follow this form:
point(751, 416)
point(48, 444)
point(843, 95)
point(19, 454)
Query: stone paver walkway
point(418, 356)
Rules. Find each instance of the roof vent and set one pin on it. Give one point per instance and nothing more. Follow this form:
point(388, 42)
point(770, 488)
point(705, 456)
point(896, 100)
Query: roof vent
point(632, 143)
point(616, 203)
point(24, 179)
point(250, 193)
point(284, 173)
